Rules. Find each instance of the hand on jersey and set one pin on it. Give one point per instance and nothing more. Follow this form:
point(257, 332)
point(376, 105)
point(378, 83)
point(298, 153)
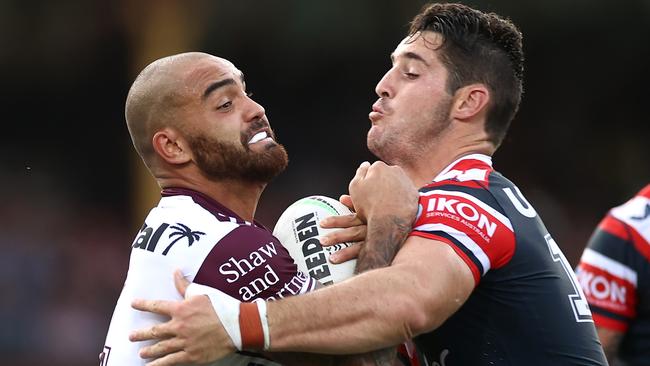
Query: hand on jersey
point(193, 335)
point(352, 230)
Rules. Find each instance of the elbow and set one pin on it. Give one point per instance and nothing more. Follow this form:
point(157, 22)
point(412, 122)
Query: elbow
point(422, 310)
point(413, 316)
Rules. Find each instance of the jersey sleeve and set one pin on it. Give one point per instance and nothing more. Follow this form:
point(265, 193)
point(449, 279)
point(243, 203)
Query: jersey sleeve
point(250, 263)
point(471, 222)
point(607, 275)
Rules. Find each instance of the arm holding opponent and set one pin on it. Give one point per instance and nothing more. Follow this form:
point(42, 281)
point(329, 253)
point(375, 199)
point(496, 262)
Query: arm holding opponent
point(426, 283)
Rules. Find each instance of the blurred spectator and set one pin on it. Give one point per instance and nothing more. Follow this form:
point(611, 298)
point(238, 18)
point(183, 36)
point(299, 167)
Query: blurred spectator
point(614, 272)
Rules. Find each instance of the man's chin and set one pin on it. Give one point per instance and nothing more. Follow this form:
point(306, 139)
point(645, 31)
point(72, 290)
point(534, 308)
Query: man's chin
point(373, 144)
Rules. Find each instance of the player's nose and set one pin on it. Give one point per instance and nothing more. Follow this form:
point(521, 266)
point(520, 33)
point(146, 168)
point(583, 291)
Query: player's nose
point(254, 111)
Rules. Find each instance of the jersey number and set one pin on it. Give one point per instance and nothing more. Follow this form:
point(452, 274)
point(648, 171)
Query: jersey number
point(577, 298)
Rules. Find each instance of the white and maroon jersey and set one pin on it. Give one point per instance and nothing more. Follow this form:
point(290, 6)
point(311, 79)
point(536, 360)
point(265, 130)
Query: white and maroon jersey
point(212, 246)
point(614, 272)
point(526, 307)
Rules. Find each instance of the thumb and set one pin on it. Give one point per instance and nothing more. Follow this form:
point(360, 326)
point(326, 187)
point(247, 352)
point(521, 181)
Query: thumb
point(180, 282)
point(347, 200)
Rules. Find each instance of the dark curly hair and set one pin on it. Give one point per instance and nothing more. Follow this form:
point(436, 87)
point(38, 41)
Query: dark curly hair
point(479, 48)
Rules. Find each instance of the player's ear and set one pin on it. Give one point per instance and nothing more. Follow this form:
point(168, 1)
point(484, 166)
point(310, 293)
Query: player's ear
point(171, 146)
point(470, 100)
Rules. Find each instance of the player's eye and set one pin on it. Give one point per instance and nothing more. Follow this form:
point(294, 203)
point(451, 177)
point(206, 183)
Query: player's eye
point(224, 105)
point(411, 76)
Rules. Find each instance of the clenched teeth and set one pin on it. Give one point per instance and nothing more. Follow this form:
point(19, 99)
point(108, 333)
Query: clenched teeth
point(258, 137)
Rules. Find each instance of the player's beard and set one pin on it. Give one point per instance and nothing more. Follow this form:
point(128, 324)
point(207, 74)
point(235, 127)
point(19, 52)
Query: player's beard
point(220, 160)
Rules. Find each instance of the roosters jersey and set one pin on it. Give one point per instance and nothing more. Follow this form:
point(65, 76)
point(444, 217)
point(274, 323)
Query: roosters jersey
point(526, 307)
point(212, 246)
point(614, 272)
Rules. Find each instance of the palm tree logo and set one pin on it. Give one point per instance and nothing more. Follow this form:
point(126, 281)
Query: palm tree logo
point(182, 231)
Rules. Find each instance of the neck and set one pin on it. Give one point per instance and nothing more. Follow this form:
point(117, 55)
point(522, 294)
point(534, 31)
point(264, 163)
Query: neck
point(437, 157)
point(240, 197)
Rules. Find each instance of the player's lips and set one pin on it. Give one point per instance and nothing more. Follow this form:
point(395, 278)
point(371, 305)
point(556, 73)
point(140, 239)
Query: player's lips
point(377, 112)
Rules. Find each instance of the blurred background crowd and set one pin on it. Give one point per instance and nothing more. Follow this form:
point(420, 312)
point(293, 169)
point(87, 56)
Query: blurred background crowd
point(73, 192)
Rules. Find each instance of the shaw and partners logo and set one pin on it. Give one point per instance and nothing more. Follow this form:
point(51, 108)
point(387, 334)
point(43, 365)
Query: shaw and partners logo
point(463, 212)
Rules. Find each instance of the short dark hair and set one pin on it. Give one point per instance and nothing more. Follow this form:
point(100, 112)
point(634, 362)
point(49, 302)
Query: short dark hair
point(479, 48)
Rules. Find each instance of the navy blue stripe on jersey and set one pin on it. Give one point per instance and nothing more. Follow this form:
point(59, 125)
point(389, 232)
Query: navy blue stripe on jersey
point(608, 244)
point(480, 193)
point(443, 236)
point(609, 314)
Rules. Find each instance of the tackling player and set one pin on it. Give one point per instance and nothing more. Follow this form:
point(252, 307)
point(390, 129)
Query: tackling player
point(614, 272)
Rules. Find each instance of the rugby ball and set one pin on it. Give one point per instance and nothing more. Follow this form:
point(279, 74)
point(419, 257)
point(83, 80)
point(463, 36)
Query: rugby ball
point(298, 230)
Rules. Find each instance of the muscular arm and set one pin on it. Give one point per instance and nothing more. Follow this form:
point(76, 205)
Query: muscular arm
point(382, 242)
point(379, 308)
point(426, 283)
point(611, 340)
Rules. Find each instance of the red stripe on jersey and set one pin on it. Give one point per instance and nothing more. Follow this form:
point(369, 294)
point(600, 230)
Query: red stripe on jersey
point(467, 183)
point(476, 273)
point(607, 291)
point(614, 227)
point(408, 351)
point(469, 164)
point(621, 230)
point(609, 323)
point(465, 171)
point(490, 231)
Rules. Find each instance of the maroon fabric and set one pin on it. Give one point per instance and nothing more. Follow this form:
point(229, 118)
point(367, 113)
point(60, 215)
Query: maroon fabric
point(249, 263)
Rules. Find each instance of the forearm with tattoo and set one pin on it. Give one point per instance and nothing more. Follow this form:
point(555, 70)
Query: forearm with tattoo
point(384, 238)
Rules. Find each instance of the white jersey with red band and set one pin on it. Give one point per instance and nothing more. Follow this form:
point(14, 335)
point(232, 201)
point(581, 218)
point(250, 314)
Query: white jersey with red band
point(212, 246)
point(526, 308)
point(614, 272)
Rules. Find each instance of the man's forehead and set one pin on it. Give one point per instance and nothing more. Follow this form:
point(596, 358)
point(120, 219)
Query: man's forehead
point(210, 69)
point(424, 44)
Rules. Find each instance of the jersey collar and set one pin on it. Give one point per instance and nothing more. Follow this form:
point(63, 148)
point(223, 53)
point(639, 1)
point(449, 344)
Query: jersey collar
point(211, 205)
point(445, 172)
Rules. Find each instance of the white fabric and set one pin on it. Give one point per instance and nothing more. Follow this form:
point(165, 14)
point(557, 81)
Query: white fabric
point(150, 276)
point(633, 213)
point(261, 308)
point(226, 307)
point(610, 265)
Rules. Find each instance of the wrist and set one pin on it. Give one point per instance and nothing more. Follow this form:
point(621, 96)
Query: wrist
point(254, 326)
point(245, 323)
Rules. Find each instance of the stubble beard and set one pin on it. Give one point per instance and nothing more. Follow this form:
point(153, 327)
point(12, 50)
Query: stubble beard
point(399, 145)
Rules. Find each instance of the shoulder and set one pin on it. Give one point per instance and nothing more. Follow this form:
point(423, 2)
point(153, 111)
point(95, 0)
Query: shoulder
point(635, 213)
point(626, 227)
point(465, 215)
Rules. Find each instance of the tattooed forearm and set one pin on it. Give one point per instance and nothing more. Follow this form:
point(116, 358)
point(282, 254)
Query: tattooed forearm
point(382, 357)
point(384, 238)
point(385, 357)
